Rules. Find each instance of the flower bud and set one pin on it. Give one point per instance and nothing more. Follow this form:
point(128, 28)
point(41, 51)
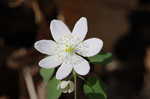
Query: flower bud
point(66, 86)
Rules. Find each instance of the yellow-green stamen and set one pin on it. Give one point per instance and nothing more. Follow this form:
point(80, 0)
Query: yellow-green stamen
point(69, 49)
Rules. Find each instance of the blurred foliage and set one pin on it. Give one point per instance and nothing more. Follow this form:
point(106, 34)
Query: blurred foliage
point(46, 74)
point(102, 58)
point(52, 83)
point(52, 89)
point(93, 88)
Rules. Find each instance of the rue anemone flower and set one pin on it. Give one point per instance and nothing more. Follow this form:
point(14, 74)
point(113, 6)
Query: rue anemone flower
point(68, 48)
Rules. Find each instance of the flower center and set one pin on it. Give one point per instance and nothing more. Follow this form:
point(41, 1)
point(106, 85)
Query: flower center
point(69, 49)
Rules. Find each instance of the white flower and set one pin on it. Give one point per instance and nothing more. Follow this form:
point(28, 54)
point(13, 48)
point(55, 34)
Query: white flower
point(67, 47)
point(66, 86)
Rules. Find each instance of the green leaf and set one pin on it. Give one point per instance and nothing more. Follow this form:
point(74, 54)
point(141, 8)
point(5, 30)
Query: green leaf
point(102, 58)
point(93, 89)
point(52, 89)
point(46, 74)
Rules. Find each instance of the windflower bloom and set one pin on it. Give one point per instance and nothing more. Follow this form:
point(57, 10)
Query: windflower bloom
point(68, 48)
point(66, 86)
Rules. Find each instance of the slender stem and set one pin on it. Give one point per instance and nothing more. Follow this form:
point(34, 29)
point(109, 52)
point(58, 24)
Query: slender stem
point(81, 78)
point(75, 82)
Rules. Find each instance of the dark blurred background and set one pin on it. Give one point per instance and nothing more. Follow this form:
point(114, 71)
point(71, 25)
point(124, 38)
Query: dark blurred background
point(123, 25)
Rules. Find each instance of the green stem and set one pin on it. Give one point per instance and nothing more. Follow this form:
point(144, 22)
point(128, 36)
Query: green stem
point(81, 78)
point(75, 82)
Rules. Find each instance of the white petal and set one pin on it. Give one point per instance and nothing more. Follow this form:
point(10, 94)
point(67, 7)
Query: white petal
point(81, 65)
point(80, 29)
point(58, 29)
point(50, 62)
point(90, 47)
point(63, 71)
point(46, 47)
